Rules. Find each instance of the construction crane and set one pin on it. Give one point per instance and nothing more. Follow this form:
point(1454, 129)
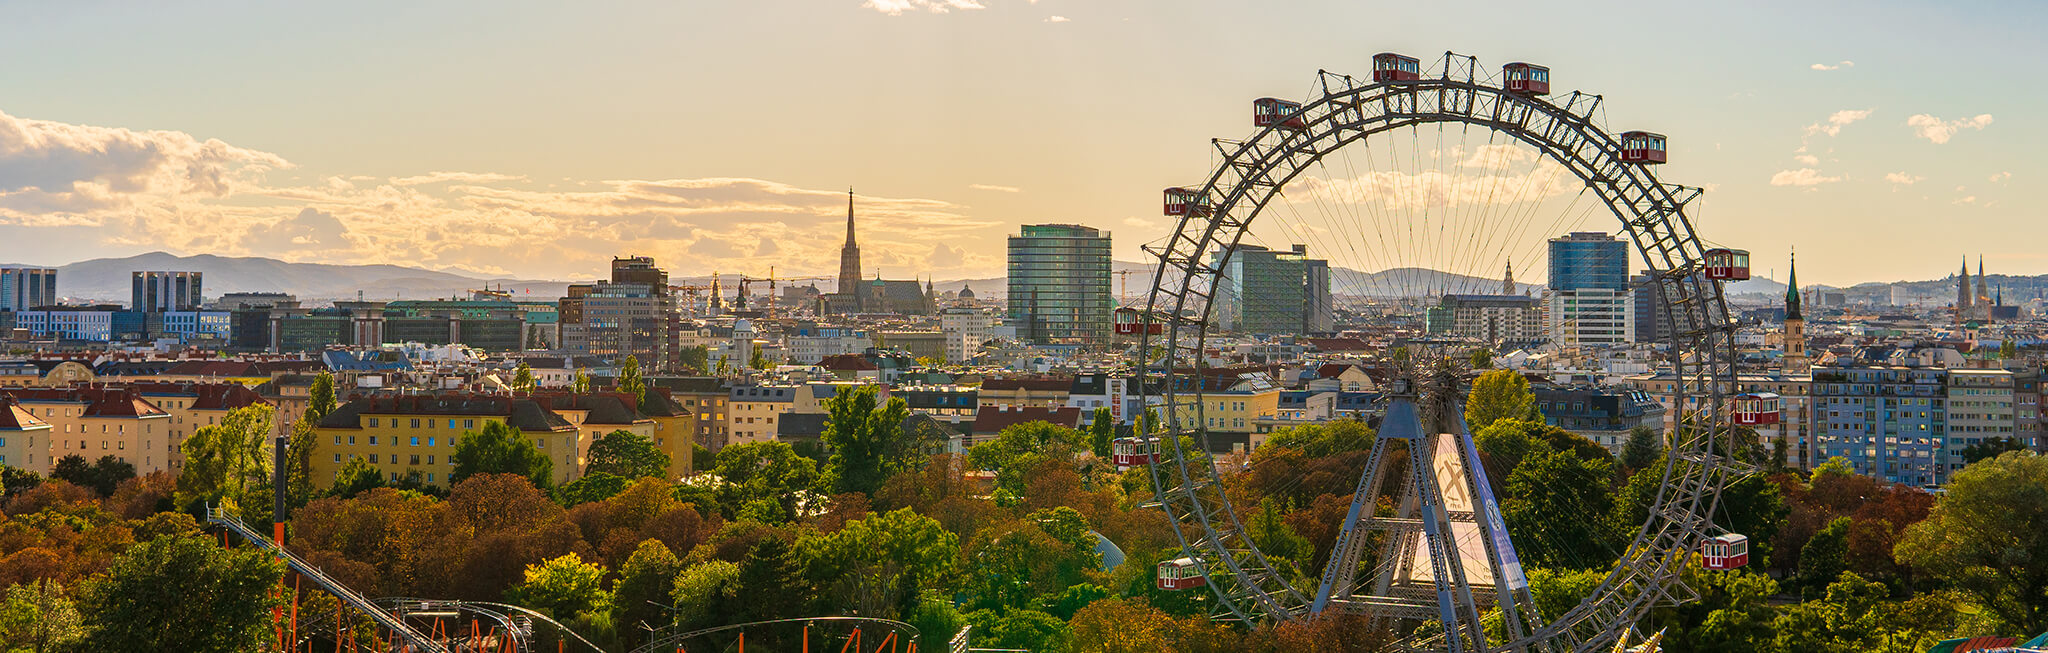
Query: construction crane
point(769, 311)
point(1123, 287)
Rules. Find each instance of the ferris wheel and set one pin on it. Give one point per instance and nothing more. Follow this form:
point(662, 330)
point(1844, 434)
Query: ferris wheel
point(1464, 171)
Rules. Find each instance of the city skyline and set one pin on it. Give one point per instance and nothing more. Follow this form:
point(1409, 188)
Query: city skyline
point(465, 138)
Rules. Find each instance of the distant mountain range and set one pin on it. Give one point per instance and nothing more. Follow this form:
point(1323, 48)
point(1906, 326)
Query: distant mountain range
point(107, 279)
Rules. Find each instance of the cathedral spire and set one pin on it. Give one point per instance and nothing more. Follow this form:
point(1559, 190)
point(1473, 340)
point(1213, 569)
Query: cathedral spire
point(1507, 283)
point(849, 216)
point(849, 263)
point(1792, 290)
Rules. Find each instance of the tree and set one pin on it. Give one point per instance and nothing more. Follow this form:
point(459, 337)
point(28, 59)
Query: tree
point(881, 565)
point(1553, 508)
point(771, 578)
point(630, 381)
point(357, 477)
point(522, 378)
point(756, 360)
point(866, 439)
point(182, 594)
point(564, 587)
point(594, 486)
point(1987, 537)
point(1101, 429)
point(38, 617)
point(768, 475)
point(581, 383)
point(1644, 447)
point(1498, 395)
point(628, 455)
point(707, 594)
point(1482, 358)
point(1019, 629)
point(102, 476)
point(222, 459)
point(320, 398)
point(1275, 538)
point(2008, 349)
point(697, 358)
point(501, 449)
point(1019, 447)
point(73, 469)
point(1824, 557)
point(647, 580)
point(15, 480)
point(1991, 448)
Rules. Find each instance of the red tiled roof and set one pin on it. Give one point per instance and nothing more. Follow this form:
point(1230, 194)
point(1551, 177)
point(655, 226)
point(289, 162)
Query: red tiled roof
point(1332, 370)
point(1034, 384)
point(847, 362)
point(214, 368)
point(100, 401)
point(205, 396)
point(1339, 344)
point(15, 418)
point(991, 419)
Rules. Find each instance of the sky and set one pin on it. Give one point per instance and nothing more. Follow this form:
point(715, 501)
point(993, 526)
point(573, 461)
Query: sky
point(1883, 140)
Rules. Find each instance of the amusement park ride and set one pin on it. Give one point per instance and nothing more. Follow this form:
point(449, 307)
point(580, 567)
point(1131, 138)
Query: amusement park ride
point(1426, 572)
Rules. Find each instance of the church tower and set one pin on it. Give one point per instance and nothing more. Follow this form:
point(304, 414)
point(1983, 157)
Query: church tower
point(1982, 302)
point(849, 261)
point(1963, 293)
point(1796, 360)
point(1507, 283)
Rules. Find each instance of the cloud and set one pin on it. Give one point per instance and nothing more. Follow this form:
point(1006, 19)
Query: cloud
point(1845, 63)
point(1058, 19)
point(1801, 177)
point(1967, 199)
point(1807, 159)
point(2001, 176)
point(898, 7)
point(171, 191)
point(464, 177)
point(1903, 179)
point(1837, 120)
point(63, 172)
point(993, 187)
point(1938, 131)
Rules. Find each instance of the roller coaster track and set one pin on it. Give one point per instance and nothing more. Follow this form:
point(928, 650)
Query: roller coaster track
point(414, 640)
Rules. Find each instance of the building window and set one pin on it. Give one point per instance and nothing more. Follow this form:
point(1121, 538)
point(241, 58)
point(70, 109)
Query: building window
point(415, 423)
point(415, 440)
point(337, 457)
point(373, 440)
point(373, 459)
point(373, 422)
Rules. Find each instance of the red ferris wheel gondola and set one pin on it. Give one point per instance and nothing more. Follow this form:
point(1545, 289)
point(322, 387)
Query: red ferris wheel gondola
point(1391, 67)
point(1642, 147)
point(1757, 409)
point(1267, 112)
point(1725, 551)
point(1526, 78)
point(1726, 264)
point(1180, 574)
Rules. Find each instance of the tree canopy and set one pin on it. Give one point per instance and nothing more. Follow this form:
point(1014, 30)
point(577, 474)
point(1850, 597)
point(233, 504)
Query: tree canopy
point(866, 438)
point(627, 455)
point(1498, 395)
point(501, 448)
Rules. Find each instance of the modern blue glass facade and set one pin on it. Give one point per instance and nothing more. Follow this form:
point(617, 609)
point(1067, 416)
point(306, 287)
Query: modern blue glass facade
point(1588, 261)
point(1059, 284)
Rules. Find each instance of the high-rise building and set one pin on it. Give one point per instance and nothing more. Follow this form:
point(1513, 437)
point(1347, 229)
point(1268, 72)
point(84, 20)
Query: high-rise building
point(155, 292)
point(24, 289)
point(632, 314)
point(1888, 422)
point(1589, 304)
point(1273, 292)
point(1646, 293)
point(1508, 320)
point(1059, 286)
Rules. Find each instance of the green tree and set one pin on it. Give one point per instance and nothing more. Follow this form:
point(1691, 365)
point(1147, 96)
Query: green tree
point(2008, 349)
point(1020, 629)
point(771, 578)
point(1482, 358)
point(631, 382)
point(320, 399)
point(595, 486)
point(647, 580)
point(757, 360)
point(1498, 395)
point(626, 454)
point(1101, 429)
point(73, 469)
point(1275, 538)
point(522, 378)
point(1987, 537)
point(769, 475)
point(299, 448)
point(15, 480)
point(1553, 508)
point(1990, 448)
point(697, 358)
point(581, 383)
point(182, 594)
point(1644, 447)
point(866, 439)
point(1020, 447)
point(707, 594)
point(1824, 557)
point(501, 449)
point(357, 477)
point(881, 565)
point(564, 587)
point(38, 617)
point(222, 460)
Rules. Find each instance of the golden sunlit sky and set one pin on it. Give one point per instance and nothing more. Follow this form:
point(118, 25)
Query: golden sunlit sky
point(537, 139)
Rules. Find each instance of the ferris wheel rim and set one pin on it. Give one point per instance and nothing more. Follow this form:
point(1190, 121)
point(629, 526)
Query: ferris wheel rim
point(1279, 146)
